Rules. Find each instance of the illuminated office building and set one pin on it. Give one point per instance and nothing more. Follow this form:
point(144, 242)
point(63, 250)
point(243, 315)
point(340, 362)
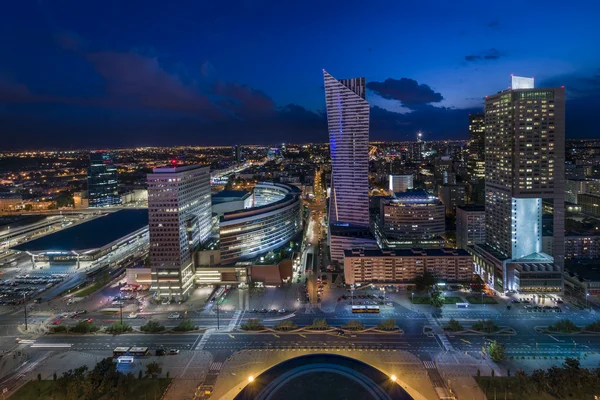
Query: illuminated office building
point(179, 219)
point(102, 180)
point(524, 153)
point(476, 163)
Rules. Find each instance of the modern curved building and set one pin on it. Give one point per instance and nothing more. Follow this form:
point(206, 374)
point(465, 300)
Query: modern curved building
point(275, 218)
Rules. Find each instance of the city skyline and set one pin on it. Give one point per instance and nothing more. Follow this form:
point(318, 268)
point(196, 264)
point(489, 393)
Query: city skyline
point(72, 83)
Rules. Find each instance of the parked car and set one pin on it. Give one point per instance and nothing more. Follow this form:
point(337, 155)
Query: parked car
point(173, 352)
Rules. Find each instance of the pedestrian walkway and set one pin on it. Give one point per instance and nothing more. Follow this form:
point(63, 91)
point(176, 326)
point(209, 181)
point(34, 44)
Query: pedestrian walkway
point(309, 309)
point(234, 320)
point(439, 332)
point(429, 365)
point(203, 339)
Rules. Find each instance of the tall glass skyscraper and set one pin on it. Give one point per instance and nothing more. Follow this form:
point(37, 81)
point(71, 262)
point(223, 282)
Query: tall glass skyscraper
point(348, 122)
point(102, 180)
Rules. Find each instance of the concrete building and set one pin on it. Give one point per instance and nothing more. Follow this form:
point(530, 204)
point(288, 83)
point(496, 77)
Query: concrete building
point(10, 202)
point(470, 225)
point(412, 215)
point(576, 246)
point(400, 183)
point(179, 206)
point(590, 204)
point(102, 180)
point(524, 153)
point(452, 196)
point(343, 237)
point(402, 266)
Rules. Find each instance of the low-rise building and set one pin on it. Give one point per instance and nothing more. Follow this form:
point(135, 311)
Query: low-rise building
point(401, 266)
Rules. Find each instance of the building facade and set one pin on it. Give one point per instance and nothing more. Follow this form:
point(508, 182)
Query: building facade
point(402, 266)
point(476, 163)
point(590, 204)
point(102, 180)
point(412, 215)
point(470, 225)
point(348, 124)
point(179, 217)
point(452, 196)
point(524, 153)
point(400, 183)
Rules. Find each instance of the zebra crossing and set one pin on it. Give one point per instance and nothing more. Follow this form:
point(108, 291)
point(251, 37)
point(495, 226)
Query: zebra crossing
point(216, 366)
point(309, 309)
point(202, 342)
point(429, 365)
point(234, 320)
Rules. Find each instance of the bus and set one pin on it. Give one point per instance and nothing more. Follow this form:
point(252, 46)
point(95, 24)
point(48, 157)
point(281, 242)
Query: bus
point(462, 305)
point(110, 310)
point(120, 351)
point(125, 360)
point(365, 309)
point(138, 351)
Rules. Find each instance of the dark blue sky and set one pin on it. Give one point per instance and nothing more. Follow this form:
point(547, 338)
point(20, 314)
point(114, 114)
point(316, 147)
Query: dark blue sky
point(120, 73)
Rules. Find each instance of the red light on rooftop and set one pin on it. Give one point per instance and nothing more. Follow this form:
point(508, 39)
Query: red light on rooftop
point(562, 87)
point(174, 162)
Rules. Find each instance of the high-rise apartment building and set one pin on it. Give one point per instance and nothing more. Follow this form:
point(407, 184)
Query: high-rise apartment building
point(524, 153)
point(348, 123)
point(476, 163)
point(400, 183)
point(179, 218)
point(102, 179)
point(452, 195)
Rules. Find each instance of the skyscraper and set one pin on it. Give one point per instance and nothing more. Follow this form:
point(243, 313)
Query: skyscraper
point(476, 163)
point(237, 153)
point(524, 152)
point(179, 218)
point(102, 180)
point(348, 122)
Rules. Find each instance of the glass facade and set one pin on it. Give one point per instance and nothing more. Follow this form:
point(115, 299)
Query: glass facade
point(102, 180)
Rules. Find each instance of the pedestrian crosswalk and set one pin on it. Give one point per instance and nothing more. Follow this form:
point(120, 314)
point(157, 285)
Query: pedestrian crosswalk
point(234, 320)
point(309, 309)
point(216, 366)
point(429, 365)
point(202, 342)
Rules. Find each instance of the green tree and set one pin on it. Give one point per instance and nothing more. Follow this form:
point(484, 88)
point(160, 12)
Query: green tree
point(437, 300)
point(84, 327)
point(564, 326)
point(387, 325)
point(353, 325)
point(487, 326)
point(496, 351)
point(152, 327)
point(593, 327)
point(153, 369)
point(319, 324)
point(454, 325)
point(424, 282)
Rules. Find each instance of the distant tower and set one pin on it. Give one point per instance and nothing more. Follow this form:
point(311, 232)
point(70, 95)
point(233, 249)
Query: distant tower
point(237, 153)
point(102, 180)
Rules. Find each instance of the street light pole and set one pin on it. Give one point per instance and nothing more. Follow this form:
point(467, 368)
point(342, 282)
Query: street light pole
point(25, 307)
point(121, 307)
point(218, 328)
point(586, 299)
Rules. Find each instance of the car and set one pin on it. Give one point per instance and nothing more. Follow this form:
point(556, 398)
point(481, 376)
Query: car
point(273, 310)
point(282, 311)
point(264, 310)
point(173, 352)
point(390, 304)
point(132, 316)
point(117, 303)
point(254, 310)
point(89, 319)
point(160, 352)
point(516, 301)
point(559, 301)
point(173, 316)
point(167, 302)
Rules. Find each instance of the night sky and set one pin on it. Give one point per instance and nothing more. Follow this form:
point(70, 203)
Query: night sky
point(121, 73)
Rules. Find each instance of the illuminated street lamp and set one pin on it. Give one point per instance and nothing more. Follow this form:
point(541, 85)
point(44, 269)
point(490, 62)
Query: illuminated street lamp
point(250, 379)
point(586, 299)
point(393, 378)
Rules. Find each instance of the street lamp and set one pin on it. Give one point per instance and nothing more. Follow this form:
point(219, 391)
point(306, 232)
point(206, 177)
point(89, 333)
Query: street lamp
point(413, 299)
point(586, 299)
point(25, 308)
point(393, 378)
point(250, 379)
point(482, 298)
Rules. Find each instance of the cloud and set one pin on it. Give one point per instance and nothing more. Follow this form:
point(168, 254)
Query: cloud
point(243, 100)
point(578, 84)
point(407, 91)
point(493, 24)
point(68, 40)
point(487, 55)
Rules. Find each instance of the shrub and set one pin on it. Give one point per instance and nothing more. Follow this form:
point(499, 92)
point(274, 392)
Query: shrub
point(84, 327)
point(496, 351)
point(454, 325)
point(153, 368)
point(253, 325)
point(387, 325)
point(319, 324)
point(59, 329)
point(354, 325)
point(564, 326)
point(152, 327)
point(286, 325)
point(119, 327)
point(487, 326)
point(185, 325)
point(593, 327)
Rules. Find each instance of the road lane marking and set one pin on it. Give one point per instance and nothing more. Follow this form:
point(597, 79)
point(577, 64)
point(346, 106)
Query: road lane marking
point(466, 341)
point(304, 336)
point(277, 336)
point(231, 336)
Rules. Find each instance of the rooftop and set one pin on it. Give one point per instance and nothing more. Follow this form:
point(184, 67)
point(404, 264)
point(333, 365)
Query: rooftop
point(443, 252)
point(94, 234)
point(415, 196)
point(229, 195)
point(472, 207)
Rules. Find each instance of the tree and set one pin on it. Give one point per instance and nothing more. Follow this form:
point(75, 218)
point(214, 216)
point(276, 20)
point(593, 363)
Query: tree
point(319, 324)
point(54, 377)
point(39, 377)
point(153, 369)
point(478, 372)
point(454, 325)
point(167, 374)
point(436, 299)
point(387, 325)
point(424, 282)
point(564, 326)
point(84, 327)
point(496, 351)
point(152, 327)
point(487, 326)
point(593, 327)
